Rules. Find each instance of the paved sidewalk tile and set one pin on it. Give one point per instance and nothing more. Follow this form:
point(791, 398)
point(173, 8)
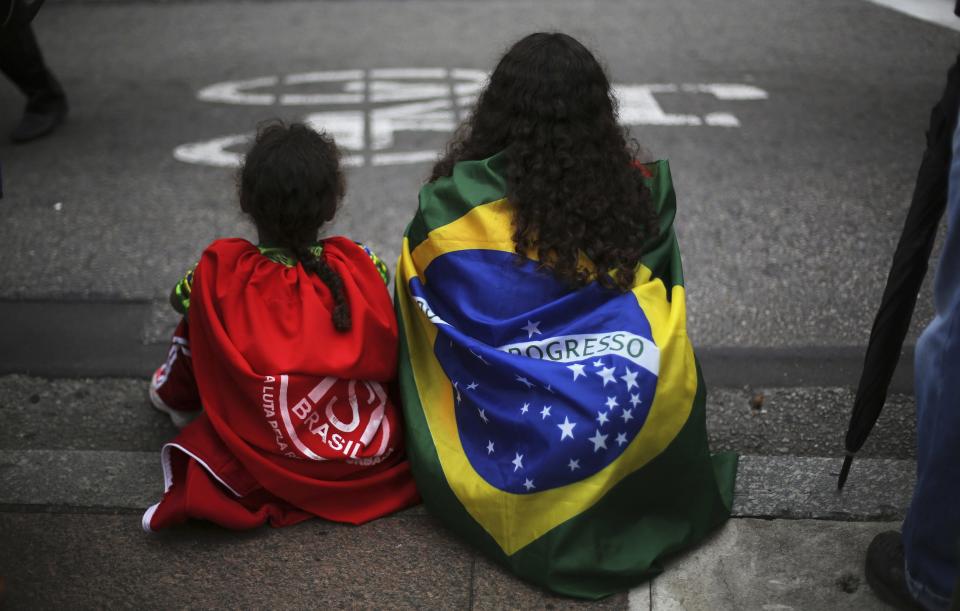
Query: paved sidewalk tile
point(80, 414)
point(774, 565)
point(805, 421)
point(85, 561)
point(767, 486)
point(114, 414)
point(806, 487)
point(104, 479)
point(495, 588)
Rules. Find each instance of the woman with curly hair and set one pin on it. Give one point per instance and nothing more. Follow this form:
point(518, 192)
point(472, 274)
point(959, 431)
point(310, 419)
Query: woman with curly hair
point(554, 405)
point(570, 168)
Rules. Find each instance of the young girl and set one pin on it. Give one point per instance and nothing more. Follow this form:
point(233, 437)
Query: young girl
point(554, 405)
point(283, 361)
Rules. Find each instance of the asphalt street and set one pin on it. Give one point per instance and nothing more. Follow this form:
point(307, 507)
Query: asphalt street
point(794, 132)
point(787, 220)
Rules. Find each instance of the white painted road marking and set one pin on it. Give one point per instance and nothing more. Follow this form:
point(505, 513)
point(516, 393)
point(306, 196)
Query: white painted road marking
point(385, 102)
point(939, 12)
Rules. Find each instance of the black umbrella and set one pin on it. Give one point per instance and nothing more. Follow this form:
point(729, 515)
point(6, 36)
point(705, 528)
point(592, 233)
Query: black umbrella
point(906, 272)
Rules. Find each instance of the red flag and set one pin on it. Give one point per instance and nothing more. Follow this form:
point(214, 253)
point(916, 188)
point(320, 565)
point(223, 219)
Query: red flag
point(298, 418)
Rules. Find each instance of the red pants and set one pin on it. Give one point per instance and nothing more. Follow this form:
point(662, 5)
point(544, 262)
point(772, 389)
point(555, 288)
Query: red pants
point(173, 384)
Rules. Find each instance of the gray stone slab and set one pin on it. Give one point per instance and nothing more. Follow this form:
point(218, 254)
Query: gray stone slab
point(75, 338)
point(56, 338)
point(102, 479)
point(775, 565)
point(804, 422)
point(80, 414)
point(767, 486)
point(806, 487)
point(161, 320)
point(495, 588)
point(85, 562)
point(794, 366)
point(113, 414)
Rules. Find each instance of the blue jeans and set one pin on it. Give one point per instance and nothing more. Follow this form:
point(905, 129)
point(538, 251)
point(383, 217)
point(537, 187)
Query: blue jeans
point(931, 531)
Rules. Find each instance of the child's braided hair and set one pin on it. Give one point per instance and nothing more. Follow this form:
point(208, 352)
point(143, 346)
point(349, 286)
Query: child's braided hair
point(290, 184)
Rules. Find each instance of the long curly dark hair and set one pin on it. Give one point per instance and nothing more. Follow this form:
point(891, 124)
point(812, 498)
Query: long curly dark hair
point(570, 166)
point(290, 184)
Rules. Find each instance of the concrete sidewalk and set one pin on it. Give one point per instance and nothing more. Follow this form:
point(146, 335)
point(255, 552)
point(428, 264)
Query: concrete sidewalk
point(70, 530)
point(79, 463)
point(405, 561)
point(768, 487)
point(774, 565)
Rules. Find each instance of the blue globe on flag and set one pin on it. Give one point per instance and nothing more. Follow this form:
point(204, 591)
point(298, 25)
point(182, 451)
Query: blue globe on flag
point(543, 397)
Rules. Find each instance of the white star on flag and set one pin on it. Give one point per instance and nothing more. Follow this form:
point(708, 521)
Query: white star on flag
point(524, 381)
point(607, 374)
point(621, 439)
point(517, 462)
point(574, 464)
point(528, 484)
point(483, 416)
point(532, 328)
point(472, 386)
point(627, 414)
point(635, 400)
point(545, 412)
point(577, 369)
point(525, 408)
point(489, 447)
point(599, 441)
point(630, 378)
point(612, 402)
point(602, 417)
point(598, 363)
point(549, 388)
point(566, 429)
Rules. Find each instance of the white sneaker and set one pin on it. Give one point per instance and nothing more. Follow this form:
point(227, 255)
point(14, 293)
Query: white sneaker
point(180, 418)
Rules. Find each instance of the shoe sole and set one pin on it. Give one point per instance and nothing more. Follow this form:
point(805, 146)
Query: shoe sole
point(888, 596)
point(41, 134)
point(179, 418)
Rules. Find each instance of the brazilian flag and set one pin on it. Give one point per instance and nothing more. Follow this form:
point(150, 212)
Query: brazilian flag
point(560, 431)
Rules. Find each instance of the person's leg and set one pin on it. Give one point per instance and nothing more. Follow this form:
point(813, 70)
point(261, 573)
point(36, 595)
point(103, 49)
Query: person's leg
point(904, 569)
point(955, 604)
point(22, 62)
point(932, 527)
point(173, 387)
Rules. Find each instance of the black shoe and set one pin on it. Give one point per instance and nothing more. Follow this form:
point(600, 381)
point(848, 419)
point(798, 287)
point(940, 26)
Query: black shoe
point(885, 571)
point(36, 124)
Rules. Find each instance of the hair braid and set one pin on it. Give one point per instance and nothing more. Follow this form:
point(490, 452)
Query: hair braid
point(330, 277)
